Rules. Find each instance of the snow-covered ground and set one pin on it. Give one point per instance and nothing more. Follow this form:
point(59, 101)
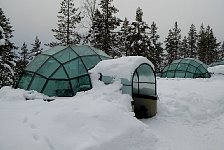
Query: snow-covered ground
point(190, 117)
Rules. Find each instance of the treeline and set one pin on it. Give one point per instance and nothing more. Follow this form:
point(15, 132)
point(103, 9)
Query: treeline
point(115, 36)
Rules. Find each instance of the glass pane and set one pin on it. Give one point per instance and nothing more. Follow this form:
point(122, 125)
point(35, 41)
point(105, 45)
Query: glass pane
point(38, 83)
point(49, 67)
point(187, 61)
point(60, 74)
point(173, 67)
point(146, 74)
point(135, 78)
point(194, 63)
point(75, 68)
point(135, 88)
point(90, 61)
point(170, 74)
point(25, 80)
point(180, 74)
point(202, 69)
point(182, 67)
point(83, 50)
point(189, 75)
point(104, 58)
point(166, 68)
point(36, 63)
point(100, 52)
point(107, 79)
point(54, 50)
point(147, 89)
point(191, 69)
point(65, 55)
point(84, 83)
point(58, 88)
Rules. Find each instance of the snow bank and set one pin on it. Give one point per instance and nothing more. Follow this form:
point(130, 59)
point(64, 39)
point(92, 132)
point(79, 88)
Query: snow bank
point(123, 67)
point(217, 69)
point(98, 119)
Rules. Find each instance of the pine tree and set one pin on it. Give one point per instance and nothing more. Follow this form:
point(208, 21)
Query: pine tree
point(192, 42)
point(23, 61)
point(201, 44)
point(184, 49)
point(207, 46)
point(156, 51)
point(68, 19)
point(104, 26)
point(7, 55)
point(139, 36)
point(173, 44)
point(36, 48)
point(124, 38)
point(221, 52)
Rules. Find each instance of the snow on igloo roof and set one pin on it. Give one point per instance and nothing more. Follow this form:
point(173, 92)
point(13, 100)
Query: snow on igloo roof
point(123, 67)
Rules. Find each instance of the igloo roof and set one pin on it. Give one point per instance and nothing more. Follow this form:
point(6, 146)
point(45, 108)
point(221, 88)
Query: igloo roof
point(61, 70)
point(186, 68)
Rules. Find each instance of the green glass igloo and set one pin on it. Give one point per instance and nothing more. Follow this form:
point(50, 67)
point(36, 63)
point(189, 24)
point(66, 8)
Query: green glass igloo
point(186, 68)
point(61, 70)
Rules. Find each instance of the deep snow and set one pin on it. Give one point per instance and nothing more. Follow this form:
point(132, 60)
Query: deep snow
point(190, 117)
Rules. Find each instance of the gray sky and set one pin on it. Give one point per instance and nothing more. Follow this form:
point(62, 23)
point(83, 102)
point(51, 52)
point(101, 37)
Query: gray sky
point(37, 17)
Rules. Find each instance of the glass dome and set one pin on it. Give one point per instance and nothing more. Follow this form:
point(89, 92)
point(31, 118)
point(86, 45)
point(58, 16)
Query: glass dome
point(61, 70)
point(186, 68)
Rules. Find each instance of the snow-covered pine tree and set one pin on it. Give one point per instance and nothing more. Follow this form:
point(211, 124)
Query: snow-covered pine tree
point(68, 19)
point(7, 55)
point(139, 36)
point(36, 49)
point(124, 38)
point(108, 25)
point(156, 54)
point(22, 61)
point(173, 43)
point(221, 52)
point(192, 42)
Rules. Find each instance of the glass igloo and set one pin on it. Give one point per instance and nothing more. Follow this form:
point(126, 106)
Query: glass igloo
point(186, 68)
point(61, 70)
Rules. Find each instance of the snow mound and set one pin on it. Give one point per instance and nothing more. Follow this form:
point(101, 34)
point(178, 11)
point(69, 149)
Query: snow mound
point(122, 67)
point(98, 119)
point(216, 69)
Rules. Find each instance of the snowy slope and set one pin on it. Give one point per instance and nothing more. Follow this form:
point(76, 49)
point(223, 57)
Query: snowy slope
point(190, 117)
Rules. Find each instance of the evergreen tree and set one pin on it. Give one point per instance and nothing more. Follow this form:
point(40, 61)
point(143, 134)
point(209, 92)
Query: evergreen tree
point(173, 44)
point(184, 49)
point(36, 48)
point(104, 26)
point(68, 19)
point(207, 46)
point(139, 36)
point(124, 38)
point(23, 61)
point(156, 55)
point(201, 44)
point(6, 52)
point(221, 52)
point(192, 42)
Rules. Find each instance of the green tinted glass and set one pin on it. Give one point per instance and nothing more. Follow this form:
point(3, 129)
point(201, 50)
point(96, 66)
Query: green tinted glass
point(25, 80)
point(146, 74)
point(83, 50)
point(36, 63)
point(75, 68)
point(65, 55)
point(60, 74)
point(58, 88)
point(191, 69)
point(180, 74)
point(49, 67)
point(90, 61)
point(147, 89)
point(170, 74)
point(84, 83)
point(202, 69)
point(173, 66)
point(182, 67)
point(37, 83)
point(189, 75)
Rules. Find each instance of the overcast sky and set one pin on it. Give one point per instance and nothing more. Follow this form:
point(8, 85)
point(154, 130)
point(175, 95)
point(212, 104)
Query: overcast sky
point(37, 17)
